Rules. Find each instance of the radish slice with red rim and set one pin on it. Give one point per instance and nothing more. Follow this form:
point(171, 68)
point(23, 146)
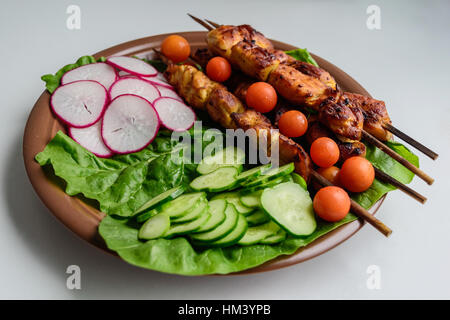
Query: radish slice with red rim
point(167, 92)
point(161, 77)
point(91, 139)
point(80, 103)
point(133, 85)
point(174, 114)
point(100, 72)
point(160, 83)
point(158, 80)
point(130, 123)
point(133, 65)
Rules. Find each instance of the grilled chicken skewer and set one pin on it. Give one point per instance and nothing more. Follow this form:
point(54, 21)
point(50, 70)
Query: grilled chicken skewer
point(377, 121)
point(202, 93)
point(223, 107)
point(317, 130)
point(239, 84)
point(334, 108)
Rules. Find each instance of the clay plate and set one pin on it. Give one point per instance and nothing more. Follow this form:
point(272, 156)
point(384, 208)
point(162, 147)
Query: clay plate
point(83, 219)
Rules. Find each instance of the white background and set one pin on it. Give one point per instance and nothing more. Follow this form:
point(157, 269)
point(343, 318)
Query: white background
point(406, 63)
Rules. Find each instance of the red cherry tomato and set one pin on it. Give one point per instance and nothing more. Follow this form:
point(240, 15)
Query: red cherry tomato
point(218, 69)
point(293, 124)
point(331, 203)
point(261, 96)
point(356, 174)
point(324, 152)
point(176, 48)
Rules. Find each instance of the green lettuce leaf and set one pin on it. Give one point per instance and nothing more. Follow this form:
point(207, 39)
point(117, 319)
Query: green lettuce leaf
point(52, 81)
point(302, 55)
point(121, 184)
point(180, 257)
point(386, 164)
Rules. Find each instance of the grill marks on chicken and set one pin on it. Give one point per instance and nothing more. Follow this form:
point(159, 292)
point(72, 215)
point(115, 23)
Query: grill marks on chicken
point(263, 63)
point(225, 108)
point(299, 82)
point(253, 60)
point(313, 71)
point(289, 150)
point(375, 115)
point(342, 118)
point(222, 39)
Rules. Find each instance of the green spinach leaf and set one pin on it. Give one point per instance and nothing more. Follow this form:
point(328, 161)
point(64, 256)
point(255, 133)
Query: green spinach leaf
point(180, 257)
point(120, 184)
point(302, 55)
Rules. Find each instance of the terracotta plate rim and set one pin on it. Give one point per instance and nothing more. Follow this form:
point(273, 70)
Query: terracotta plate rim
point(83, 219)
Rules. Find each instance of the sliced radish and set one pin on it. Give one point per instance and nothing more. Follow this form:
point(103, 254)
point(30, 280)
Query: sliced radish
point(174, 114)
point(100, 72)
point(160, 83)
point(91, 139)
point(166, 92)
point(80, 103)
point(133, 66)
point(133, 85)
point(158, 80)
point(130, 123)
point(161, 77)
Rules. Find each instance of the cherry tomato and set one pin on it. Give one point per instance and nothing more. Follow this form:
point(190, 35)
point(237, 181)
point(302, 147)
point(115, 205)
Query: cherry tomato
point(331, 203)
point(176, 48)
point(356, 174)
point(261, 96)
point(324, 152)
point(331, 174)
point(218, 69)
point(293, 124)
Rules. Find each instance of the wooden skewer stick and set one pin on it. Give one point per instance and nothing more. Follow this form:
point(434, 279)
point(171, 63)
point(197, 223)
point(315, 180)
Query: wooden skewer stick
point(387, 178)
point(200, 21)
point(377, 143)
point(357, 209)
point(416, 144)
point(215, 25)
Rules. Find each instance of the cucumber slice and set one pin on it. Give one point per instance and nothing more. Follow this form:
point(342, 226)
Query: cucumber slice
point(251, 200)
point(258, 217)
point(298, 179)
point(234, 236)
point(271, 174)
point(146, 215)
point(219, 180)
point(279, 237)
point(155, 227)
point(229, 156)
point(168, 195)
point(269, 184)
point(253, 173)
point(217, 210)
point(182, 205)
point(234, 198)
point(291, 207)
point(196, 211)
point(258, 233)
point(231, 218)
point(189, 227)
